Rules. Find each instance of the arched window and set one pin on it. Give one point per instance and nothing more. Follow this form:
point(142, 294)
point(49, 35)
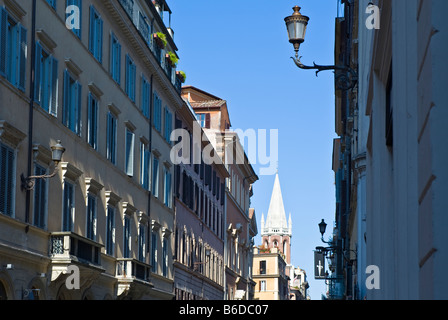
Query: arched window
point(3, 295)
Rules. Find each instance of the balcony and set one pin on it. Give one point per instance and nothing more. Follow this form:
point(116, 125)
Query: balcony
point(133, 278)
point(67, 248)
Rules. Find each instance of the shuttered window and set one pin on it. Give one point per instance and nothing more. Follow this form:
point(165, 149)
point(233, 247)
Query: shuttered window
point(127, 237)
point(71, 116)
point(13, 47)
point(40, 198)
point(154, 240)
point(110, 230)
point(168, 125)
point(115, 58)
point(144, 165)
point(111, 138)
point(130, 78)
point(92, 121)
point(96, 34)
point(157, 119)
point(91, 217)
point(74, 14)
point(7, 180)
point(155, 177)
point(145, 91)
point(46, 85)
point(129, 155)
point(168, 192)
point(68, 207)
point(141, 242)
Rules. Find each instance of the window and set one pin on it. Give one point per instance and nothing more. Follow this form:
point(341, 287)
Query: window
point(7, 180)
point(40, 198)
point(130, 78)
point(165, 257)
point(115, 58)
point(145, 90)
point(111, 138)
point(71, 116)
point(154, 239)
point(155, 177)
point(168, 124)
point(91, 217)
point(92, 121)
point(72, 14)
point(127, 237)
point(263, 267)
point(144, 165)
point(46, 85)
point(13, 47)
point(204, 119)
point(141, 242)
point(144, 28)
point(168, 194)
point(96, 34)
point(129, 156)
point(52, 3)
point(110, 230)
point(68, 206)
point(263, 285)
point(157, 113)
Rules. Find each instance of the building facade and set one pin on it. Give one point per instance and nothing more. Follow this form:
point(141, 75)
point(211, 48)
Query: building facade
point(272, 260)
point(389, 160)
point(212, 114)
point(94, 75)
point(200, 215)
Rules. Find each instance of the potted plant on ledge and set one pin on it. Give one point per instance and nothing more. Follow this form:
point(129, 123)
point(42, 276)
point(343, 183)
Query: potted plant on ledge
point(181, 75)
point(171, 58)
point(160, 39)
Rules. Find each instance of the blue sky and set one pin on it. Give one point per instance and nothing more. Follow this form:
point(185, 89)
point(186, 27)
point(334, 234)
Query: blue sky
point(239, 51)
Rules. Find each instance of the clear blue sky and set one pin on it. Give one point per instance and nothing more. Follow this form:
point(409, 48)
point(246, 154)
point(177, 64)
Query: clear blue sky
point(239, 51)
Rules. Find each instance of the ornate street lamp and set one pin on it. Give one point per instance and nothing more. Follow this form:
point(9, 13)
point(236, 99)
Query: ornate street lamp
point(322, 227)
point(56, 155)
point(296, 25)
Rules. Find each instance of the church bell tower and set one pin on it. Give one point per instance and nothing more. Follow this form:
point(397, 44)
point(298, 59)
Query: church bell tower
point(276, 231)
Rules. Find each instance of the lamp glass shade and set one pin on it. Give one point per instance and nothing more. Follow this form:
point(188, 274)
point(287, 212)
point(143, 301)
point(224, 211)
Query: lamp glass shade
point(296, 26)
point(322, 227)
point(56, 151)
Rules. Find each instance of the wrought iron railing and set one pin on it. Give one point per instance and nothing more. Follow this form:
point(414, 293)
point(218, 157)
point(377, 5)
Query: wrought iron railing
point(70, 245)
point(129, 268)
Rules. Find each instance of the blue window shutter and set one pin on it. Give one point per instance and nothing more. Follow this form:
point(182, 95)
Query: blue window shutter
point(3, 33)
point(37, 73)
point(133, 69)
point(22, 59)
point(77, 107)
point(126, 75)
point(54, 87)
point(66, 107)
point(92, 29)
point(99, 36)
point(111, 55)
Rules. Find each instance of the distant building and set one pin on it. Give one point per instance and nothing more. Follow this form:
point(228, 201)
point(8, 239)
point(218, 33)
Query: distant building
point(200, 217)
point(272, 260)
point(212, 114)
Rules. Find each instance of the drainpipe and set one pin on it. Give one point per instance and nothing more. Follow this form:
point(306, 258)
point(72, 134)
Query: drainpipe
point(31, 109)
point(150, 148)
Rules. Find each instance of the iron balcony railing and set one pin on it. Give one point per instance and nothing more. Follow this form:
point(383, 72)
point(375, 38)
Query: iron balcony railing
point(69, 245)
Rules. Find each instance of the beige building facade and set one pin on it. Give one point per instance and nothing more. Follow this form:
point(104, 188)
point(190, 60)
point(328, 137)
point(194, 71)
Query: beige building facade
point(107, 91)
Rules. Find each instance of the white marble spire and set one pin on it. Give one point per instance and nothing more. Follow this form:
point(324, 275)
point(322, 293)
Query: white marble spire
point(276, 222)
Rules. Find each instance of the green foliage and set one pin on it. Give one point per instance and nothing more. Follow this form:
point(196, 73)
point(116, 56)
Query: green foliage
point(162, 38)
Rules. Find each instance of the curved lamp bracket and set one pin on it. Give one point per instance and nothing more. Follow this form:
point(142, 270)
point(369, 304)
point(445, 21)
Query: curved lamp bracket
point(346, 78)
